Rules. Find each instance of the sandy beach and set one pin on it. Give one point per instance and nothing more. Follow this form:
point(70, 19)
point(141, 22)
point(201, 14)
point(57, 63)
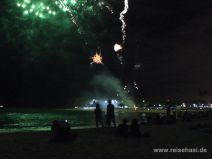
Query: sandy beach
point(106, 144)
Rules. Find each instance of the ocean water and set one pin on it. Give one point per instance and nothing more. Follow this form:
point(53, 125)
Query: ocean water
point(19, 120)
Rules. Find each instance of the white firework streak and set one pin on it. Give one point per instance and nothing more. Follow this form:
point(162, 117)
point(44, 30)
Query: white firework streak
point(69, 11)
point(71, 15)
point(121, 18)
point(109, 8)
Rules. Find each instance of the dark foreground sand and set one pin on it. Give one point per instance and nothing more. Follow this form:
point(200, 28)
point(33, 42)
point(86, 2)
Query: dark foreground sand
point(105, 144)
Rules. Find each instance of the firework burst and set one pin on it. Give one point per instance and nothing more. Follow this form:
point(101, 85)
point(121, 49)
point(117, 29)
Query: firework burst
point(117, 47)
point(97, 58)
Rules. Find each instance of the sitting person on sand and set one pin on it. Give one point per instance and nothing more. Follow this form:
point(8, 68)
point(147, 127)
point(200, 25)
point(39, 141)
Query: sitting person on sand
point(61, 131)
point(55, 130)
point(135, 129)
point(143, 118)
point(123, 129)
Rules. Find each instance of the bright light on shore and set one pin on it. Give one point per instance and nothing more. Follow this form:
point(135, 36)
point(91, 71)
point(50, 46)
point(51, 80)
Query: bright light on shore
point(135, 108)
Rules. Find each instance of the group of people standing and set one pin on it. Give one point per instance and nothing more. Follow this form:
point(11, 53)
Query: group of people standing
point(106, 120)
point(123, 129)
point(61, 129)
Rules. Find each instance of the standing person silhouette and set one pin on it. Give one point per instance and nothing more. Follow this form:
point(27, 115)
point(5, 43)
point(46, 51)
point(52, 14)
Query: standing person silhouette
point(98, 116)
point(110, 114)
point(168, 108)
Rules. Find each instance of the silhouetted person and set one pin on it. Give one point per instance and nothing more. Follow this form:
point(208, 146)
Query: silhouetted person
point(123, 129)
point(168, 111)
point(144, 118)
point(61, 131)
point(135, 129)
point(98, 116)
point(186, 116)
point(168, 108)
point(110, 114)
point(160, 119)
point(55, 132)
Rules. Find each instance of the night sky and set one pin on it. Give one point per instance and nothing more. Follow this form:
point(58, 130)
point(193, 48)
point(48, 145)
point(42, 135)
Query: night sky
point(45, 62)
point(173, 42)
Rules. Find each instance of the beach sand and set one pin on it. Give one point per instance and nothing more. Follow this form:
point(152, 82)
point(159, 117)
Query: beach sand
point(106, 144)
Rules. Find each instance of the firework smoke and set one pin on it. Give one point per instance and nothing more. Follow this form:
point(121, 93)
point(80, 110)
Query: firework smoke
point(108, 87)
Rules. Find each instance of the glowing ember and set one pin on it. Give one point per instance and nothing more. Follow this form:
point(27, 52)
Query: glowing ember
point(117, 47)
point(97, 58)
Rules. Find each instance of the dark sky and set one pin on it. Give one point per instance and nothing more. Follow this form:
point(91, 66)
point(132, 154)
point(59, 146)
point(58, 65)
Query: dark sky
point(171, 39)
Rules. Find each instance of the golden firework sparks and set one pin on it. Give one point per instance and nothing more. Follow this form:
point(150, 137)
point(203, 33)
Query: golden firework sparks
point(97, 58)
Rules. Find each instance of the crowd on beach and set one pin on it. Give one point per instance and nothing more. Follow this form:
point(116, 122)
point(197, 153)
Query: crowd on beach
point(61, 130)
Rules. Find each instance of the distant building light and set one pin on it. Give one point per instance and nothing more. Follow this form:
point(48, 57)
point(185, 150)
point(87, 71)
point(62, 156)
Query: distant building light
point(195, 105)
point(183, 105)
